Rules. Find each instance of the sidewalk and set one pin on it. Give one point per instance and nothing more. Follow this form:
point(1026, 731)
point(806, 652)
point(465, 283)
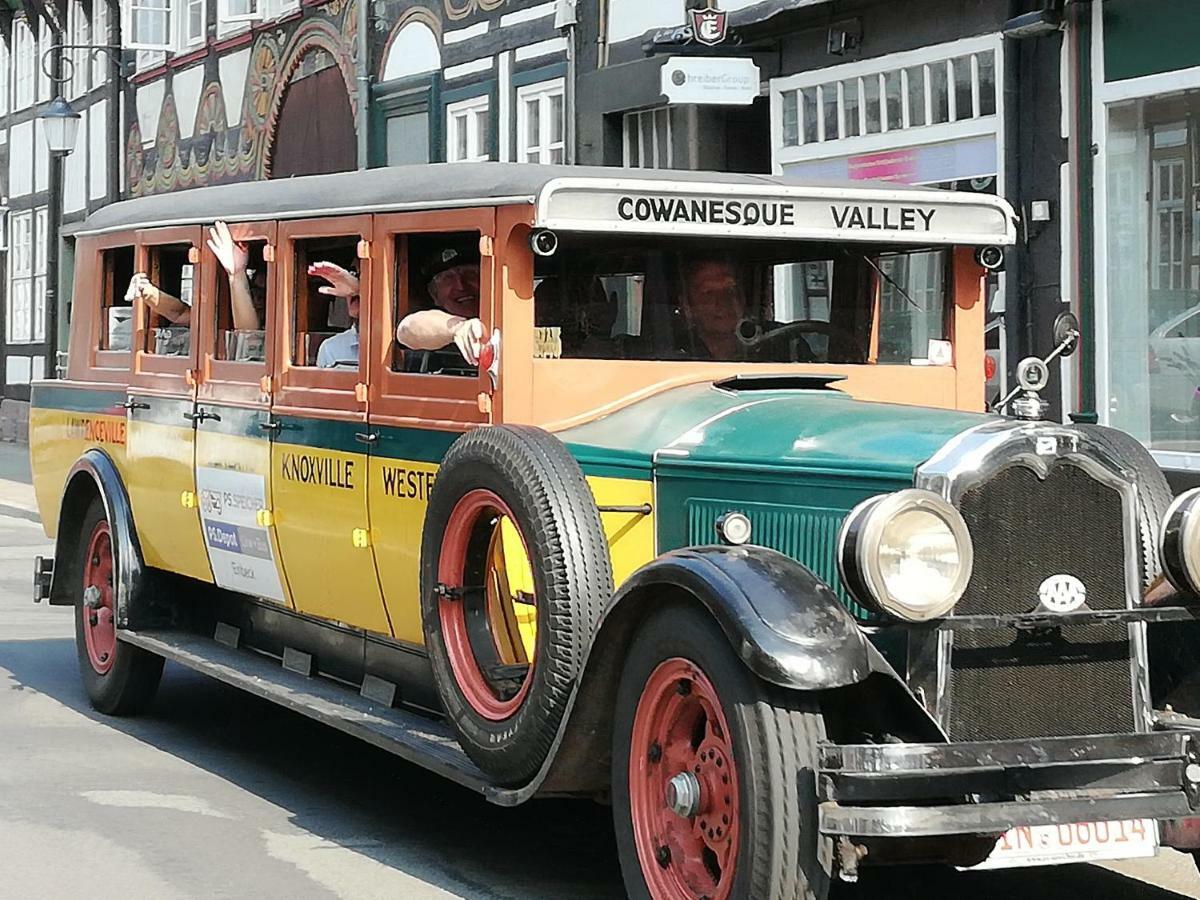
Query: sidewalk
point(16, 483)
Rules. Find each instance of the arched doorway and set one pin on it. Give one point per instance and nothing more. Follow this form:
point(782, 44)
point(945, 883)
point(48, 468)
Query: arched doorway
point(315, 132)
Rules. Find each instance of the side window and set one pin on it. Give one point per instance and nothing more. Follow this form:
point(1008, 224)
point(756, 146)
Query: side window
point(436, 271)
point(116, 306)
point(168, 289)
point(242, 308)
point(325, 312)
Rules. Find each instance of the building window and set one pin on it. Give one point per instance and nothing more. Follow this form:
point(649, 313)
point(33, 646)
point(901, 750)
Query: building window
point(39, 275)
point(100, 61)
point(23, 51)
point(194, 25)
point(1152, 194)
point(20, 312)
point(940, 91)
point(408, 138)
point(239, 10)
point(4, 65)
point(76, 62)
point(646, 139)
point(45, 39)
point(540, 122)
point(147, 24)
point(467, 130)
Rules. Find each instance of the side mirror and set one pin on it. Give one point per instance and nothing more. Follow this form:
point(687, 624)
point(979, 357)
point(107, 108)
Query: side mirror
point(1066, 333)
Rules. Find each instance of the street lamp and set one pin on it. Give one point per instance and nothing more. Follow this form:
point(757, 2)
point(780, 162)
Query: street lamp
point(60, 124)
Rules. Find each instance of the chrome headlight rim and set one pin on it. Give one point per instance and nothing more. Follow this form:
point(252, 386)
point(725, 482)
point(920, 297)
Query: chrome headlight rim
point(1179, 541)
point(858, 552)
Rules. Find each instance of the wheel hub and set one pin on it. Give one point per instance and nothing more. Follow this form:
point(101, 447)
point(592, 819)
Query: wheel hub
point(683, 795)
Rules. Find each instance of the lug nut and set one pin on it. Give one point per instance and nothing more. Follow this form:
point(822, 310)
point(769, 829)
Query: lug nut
point(663, 856)
point(684, 687)
point(655, 753)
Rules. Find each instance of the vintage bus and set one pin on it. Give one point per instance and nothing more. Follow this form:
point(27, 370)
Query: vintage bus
point(698, 513)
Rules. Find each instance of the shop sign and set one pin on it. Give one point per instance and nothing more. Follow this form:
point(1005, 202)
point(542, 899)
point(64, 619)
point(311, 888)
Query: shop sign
point(722, 81)
point(709, 25)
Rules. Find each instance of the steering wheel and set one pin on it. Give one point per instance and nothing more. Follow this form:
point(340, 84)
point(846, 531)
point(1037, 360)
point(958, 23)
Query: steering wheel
point(796, 329)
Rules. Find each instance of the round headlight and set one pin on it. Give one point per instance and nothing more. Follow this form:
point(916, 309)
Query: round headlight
point(733, 528)
point(908, 554)
point(1179, 541)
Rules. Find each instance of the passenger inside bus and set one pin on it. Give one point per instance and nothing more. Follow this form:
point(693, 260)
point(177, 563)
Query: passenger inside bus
point(449, 278)
point(326, 304)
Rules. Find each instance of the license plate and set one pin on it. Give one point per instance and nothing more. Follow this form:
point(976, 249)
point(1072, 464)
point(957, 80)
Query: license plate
point(1044, 845)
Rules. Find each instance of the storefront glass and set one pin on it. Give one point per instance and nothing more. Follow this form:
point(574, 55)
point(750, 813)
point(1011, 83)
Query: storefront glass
point(1153, 270)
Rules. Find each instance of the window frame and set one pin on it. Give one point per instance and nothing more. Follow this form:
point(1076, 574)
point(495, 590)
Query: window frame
point(227, 379)
point(129, 11)
point(441, 400)
point(20, 222)
point(472, 106)
point(543, 92)
point(255, 15)
point(99, 365)
point(25, 65)
point(187, 40)
point(308, 388)
point(175, 374)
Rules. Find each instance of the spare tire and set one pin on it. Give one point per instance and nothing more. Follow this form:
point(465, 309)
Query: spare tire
point(515, 573)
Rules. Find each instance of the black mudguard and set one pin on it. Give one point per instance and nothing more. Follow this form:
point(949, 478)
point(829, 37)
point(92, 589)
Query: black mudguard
point(95, 474)
point(783, 621)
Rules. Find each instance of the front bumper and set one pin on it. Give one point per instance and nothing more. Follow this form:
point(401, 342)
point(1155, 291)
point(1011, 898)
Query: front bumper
point(985, 788)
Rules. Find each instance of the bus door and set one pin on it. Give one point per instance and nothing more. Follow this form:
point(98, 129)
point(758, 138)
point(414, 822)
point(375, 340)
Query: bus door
point(160, 431)
point(321, 447)
point(234, 427)
point(420, 402)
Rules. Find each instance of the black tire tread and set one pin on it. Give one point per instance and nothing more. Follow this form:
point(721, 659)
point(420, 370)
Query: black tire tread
point(571, 561)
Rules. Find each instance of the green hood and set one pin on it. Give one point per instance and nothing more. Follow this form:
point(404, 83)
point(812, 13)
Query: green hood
point(818, 431)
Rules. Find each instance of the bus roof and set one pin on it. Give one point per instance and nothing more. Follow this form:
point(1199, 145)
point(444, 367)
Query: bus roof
point(588, 198)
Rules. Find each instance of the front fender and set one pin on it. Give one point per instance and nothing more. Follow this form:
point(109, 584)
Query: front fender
point(95, 474)
point(784, 623)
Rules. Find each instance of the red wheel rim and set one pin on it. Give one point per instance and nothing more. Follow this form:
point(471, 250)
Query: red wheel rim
point(98, 609)
point(476, 507)
point(683, 786)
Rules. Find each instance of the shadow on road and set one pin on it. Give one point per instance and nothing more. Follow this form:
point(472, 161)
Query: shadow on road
point(352, 794)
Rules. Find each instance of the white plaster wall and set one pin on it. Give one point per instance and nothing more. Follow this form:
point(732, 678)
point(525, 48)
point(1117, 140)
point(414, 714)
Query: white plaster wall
point(413, 51)
point(20, 160)
point(41, 158)
point(188, 85)
point(97, 150)
point(149, 107)
point(233, 83)
point(75, 172)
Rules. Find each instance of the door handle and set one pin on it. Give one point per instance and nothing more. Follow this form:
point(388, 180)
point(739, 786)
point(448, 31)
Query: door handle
point(201, 415)
point(134, 404)
point(275, 427)
point(369, 437)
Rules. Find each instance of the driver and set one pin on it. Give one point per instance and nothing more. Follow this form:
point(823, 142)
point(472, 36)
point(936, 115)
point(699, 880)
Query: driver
point(452, 279)
point(713, 307)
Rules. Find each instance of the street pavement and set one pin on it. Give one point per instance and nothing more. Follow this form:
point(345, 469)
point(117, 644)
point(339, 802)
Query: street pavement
point(215, 794)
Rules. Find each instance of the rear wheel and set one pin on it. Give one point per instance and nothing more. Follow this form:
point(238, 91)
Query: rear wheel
point(714, 785)
point(119, 679)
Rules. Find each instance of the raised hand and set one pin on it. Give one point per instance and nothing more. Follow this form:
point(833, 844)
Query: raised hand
point(341, 282)
point(468, 338)
point(141, 288)
point(231, 254)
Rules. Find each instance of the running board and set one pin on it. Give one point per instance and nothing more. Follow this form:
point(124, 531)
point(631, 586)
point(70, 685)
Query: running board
point(414, 738)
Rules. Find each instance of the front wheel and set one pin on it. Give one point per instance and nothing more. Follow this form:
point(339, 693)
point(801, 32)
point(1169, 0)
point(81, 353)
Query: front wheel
point(714, 784)
point(119, 679)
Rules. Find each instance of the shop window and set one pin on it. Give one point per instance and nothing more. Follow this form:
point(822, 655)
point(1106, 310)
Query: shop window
point(324, 325)
point(875, 97)
point(646, 138)
point(540, 122)
point(467, 131)
point(116, 307)
point(436, 271)
point(170, 292)
point(241, 308)
point(1152, 281)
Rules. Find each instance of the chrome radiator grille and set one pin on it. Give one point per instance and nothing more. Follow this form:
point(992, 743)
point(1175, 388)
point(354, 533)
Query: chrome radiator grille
point(1025, 529)
point(1072, 680)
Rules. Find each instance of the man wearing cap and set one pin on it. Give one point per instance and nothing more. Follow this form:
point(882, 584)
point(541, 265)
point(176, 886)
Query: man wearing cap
point(452, 279)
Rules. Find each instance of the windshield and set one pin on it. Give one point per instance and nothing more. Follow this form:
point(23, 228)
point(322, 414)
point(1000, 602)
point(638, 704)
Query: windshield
point(613, 297)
